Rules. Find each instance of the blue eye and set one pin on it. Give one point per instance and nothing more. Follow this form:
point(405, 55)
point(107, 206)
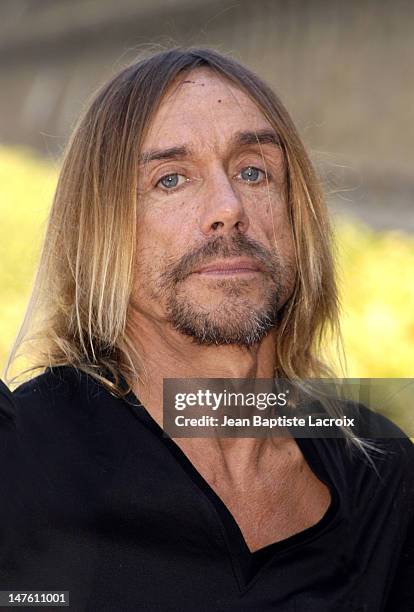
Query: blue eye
point(168, 181)
point(251, 174)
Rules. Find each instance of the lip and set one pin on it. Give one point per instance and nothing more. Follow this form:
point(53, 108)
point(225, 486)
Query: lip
point(230, 266)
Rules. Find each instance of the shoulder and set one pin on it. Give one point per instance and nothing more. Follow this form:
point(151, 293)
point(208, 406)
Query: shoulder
point(381, 470)
point(64, 417)
point(7, 407)
point(58, 383)
point(385, 441)
point(59, 389)
point(375, 465)
point(374, 439)
point(65, 399)
point(62, 401)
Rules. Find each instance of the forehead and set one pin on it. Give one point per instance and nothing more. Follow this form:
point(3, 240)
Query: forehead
point(205, 109)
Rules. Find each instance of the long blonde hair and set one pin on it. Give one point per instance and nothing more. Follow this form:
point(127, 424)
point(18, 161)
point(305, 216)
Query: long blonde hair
point(78, 312)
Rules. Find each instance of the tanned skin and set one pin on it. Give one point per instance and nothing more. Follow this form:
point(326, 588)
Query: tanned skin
point(199, 145)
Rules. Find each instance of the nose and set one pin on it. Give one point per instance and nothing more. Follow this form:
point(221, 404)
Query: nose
point(223, 211)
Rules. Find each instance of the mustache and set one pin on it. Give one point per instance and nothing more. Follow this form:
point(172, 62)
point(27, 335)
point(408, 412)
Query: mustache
point(224, 248)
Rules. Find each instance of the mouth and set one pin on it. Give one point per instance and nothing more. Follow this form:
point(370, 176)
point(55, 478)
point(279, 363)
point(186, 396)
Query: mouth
point(230, 267)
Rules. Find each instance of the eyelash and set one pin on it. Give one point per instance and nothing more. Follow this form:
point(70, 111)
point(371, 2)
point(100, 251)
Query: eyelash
point(266, 175)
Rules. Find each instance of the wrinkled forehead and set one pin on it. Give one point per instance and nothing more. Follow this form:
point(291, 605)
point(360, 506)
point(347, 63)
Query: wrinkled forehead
point(203, 107)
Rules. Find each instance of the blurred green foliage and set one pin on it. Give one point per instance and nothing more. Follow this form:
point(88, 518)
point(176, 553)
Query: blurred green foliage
point(376, 271)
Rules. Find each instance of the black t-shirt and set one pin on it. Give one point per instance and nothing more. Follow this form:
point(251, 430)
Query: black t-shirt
point(97, 501)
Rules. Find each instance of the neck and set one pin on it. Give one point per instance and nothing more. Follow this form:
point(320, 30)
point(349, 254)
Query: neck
point(166, 353)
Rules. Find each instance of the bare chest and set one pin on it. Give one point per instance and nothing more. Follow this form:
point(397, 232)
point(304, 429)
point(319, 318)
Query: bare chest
point(272, 503)
point(269, 512)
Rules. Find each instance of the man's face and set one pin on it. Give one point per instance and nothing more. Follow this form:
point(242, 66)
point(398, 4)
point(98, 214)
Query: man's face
point(215, 252)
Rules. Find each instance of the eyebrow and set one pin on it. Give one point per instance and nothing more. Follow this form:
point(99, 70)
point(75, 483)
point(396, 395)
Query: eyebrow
point(169, 153)
point(240, 139)
point(262, 137)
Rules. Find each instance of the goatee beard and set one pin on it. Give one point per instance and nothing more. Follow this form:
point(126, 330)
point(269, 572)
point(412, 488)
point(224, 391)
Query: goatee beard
point(235, 320)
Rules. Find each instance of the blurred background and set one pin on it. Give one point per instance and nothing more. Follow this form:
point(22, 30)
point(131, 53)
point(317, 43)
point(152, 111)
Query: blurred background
point(344, 71)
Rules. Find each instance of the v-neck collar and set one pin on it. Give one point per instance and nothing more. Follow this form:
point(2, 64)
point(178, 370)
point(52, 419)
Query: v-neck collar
point(247, 565)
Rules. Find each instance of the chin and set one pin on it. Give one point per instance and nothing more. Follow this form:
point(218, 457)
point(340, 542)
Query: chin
point(238, 322)
point(224, 293)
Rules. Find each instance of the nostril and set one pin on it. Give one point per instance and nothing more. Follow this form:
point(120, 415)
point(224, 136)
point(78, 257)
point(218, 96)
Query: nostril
point(216, 225)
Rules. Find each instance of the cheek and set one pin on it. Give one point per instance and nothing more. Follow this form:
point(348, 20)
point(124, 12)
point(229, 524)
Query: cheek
point(279, 237)
point(283, 238)
point(164, 222)
point(273, 221)
point(162, 236)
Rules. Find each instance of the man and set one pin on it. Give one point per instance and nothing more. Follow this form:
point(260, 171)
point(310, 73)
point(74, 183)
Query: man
point(188, 238)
